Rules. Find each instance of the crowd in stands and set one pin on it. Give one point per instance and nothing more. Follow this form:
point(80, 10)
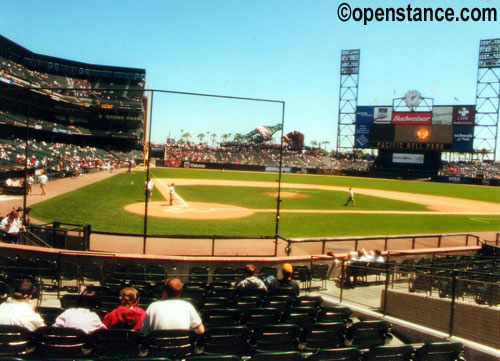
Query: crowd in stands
point(127, 129)
point(92, 92)
point(264, 156)
point(485, 170)
point(54, 157)
point(338, 162)
point(103, 103)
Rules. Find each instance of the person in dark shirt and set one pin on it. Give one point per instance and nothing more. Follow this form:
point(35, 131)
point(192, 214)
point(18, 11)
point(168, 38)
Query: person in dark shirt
point(285, 282)
point(250, 281)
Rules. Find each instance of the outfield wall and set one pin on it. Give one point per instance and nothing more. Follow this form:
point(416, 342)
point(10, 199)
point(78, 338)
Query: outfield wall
point(391, 174)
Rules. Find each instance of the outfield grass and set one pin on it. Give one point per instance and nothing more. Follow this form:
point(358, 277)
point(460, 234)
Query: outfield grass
point(254, 198)
point(101, 205)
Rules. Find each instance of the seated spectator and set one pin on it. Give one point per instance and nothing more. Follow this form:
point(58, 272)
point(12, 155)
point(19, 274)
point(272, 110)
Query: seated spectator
point(356, 266)
point(375, 256)
point(172, 313)
point(285, 281)
point(250, 281)
point(128, 315)
point(360, 256)
point(11, 226)
point(18, 310)
point(82, 316)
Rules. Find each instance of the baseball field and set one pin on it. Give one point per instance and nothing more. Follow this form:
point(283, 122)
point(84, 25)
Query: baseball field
point(231, 203)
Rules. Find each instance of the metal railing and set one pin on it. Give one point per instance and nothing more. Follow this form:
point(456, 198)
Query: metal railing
point(438, 292)
point(339, 243)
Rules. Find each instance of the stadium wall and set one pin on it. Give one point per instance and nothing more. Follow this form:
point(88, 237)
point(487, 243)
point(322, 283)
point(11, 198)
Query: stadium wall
point(390, 174)
point(472, 322)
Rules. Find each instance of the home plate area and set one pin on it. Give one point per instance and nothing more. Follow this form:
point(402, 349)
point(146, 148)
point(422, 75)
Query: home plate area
point(191, 210)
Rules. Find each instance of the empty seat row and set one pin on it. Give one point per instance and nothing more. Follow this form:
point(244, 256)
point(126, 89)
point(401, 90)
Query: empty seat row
point(271, 342)
point(301, 316)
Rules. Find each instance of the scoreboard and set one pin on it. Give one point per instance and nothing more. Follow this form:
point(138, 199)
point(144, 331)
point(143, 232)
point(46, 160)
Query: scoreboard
point(445, 128)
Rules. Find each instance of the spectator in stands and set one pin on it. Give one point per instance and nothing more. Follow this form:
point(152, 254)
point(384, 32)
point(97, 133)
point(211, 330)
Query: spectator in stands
point(128, 315)
point(375, 256)
point(285, 281)
point(250, 281)
point(83, 316)
point(172, 312)
point(359, 256)
point(356, 264)
point(18, 310)
point(11, 226)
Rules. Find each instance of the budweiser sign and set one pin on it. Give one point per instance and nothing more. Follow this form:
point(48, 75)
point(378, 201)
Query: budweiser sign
point(411, 118)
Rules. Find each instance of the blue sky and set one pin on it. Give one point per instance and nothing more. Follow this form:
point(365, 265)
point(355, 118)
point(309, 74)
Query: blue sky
point(275, 49)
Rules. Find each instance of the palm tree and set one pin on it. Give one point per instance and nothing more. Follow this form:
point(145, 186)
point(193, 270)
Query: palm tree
point(314, 143)
point(186, 137)
point(325, 143)
point(201, 136)
point(225, 137)
point(213, 136)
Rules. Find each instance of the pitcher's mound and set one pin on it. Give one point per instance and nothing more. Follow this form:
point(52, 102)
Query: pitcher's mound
point(194, 210)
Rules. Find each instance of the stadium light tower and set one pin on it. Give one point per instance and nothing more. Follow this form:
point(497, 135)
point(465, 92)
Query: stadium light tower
point(487, 99)
point(348, 99)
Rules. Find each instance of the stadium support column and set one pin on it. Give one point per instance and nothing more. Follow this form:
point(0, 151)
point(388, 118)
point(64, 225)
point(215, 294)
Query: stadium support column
point(487, 99)
point(278, 199)
point(146, 198)
point(348, 99)
point(26, 154)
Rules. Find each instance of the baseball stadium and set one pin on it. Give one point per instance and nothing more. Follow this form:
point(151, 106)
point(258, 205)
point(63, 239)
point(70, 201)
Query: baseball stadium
point(414, 182)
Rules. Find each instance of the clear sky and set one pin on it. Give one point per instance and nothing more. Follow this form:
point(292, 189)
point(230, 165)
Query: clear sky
point(285, 50)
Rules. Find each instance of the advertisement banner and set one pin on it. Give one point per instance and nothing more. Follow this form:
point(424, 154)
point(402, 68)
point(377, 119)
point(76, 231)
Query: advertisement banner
point(364, 114)
point(5, 80)
point(408, 158)
point(382, 115)
point(463, 138)
point(264, 132)
point(276, 169)
point(362, 136)
point(464, 114)
point(442, 134)
point(442, 115)
point(411, 118)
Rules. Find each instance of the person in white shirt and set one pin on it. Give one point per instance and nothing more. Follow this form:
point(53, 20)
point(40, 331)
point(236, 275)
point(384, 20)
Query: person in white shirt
point(171, 191)
point(375, 257)
point(11, 226)
point(149, 188)
point(30, 182)
point(351, 198)
point(43, 181)
point(18, 310)
point(172, 313)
